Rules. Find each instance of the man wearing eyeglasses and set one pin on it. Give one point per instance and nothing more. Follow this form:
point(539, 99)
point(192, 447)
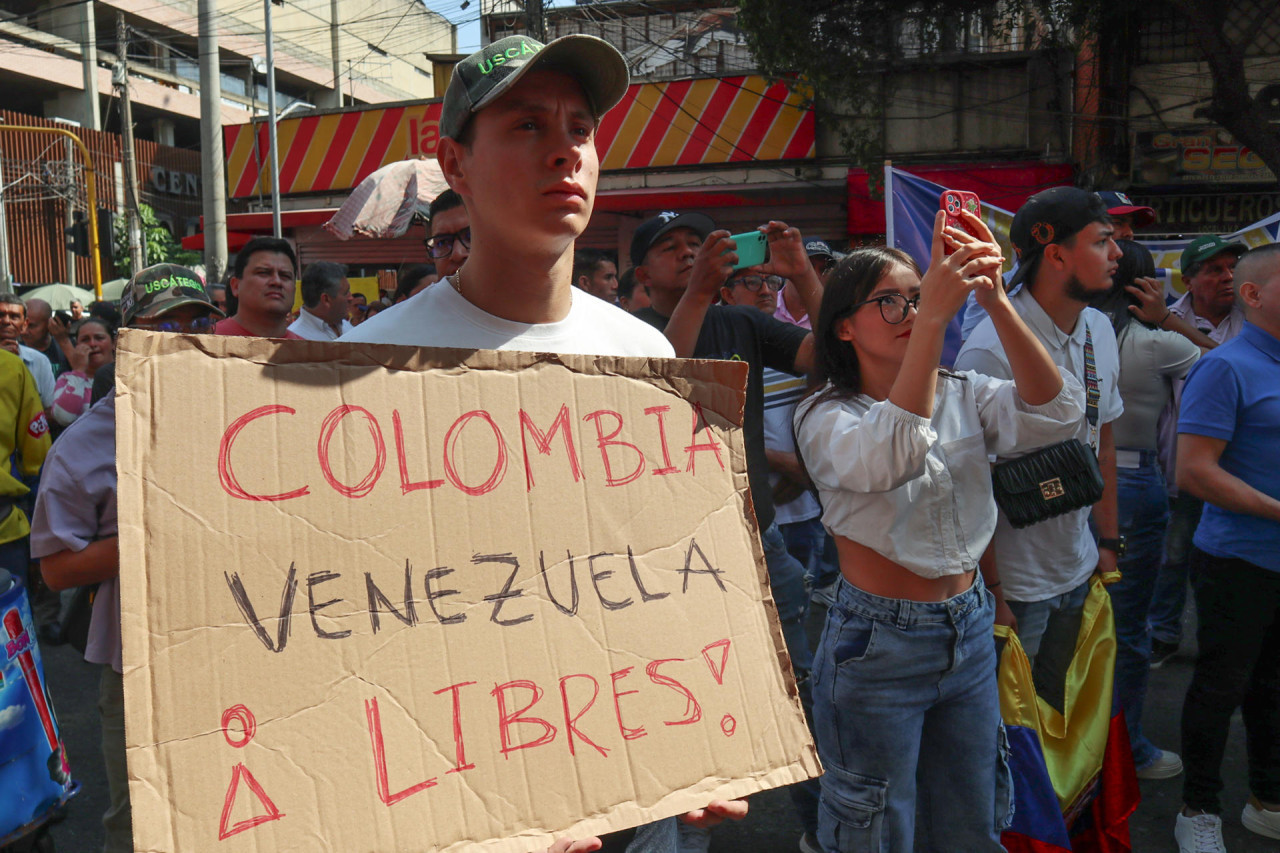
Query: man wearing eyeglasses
point(74, 528)
point(753, 290)
point(450, 240)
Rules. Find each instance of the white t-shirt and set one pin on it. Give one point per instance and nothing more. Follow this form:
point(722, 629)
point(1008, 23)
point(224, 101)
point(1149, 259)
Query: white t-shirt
point(1059, 554)
point(440, 317)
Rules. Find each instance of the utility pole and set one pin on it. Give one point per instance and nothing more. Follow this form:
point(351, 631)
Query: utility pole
point(89, 60)
point(335, 47)
point(212, 165)
point(537, 23)
point(272, 152)
point(6, 280)
point(69, 212)
point(120, 79)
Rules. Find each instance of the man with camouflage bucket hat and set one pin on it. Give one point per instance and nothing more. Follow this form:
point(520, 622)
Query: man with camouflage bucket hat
point(74, 529)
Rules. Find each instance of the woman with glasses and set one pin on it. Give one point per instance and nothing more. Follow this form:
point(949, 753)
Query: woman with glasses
point(906, 712)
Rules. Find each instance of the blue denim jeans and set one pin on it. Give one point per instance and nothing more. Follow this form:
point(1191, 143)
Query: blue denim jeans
point(786, 580)
point(809, 542)
point(1048, 631)
point(908, 725)
point(1170, 596)
point(1144, 515)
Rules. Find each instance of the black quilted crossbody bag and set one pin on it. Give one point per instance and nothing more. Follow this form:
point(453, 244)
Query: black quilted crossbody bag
point(1055, 479)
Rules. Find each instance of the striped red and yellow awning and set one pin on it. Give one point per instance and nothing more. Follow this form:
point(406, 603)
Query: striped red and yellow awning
point(712, 121)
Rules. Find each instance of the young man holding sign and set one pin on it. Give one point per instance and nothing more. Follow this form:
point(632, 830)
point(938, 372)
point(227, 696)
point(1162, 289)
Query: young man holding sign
point(518, 145)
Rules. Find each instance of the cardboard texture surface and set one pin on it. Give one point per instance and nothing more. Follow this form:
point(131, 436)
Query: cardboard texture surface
point(385, 599)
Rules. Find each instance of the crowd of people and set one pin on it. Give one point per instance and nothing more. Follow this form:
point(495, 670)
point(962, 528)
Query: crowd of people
point(869, 463)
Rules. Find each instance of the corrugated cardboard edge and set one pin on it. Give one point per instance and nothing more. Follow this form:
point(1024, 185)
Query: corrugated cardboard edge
point(135, 349)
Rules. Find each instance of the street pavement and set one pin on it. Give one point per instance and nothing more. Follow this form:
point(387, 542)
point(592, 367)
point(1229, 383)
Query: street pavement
point(771, 826)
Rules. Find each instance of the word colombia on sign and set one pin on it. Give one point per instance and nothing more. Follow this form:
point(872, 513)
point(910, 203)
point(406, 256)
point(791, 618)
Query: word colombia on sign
point(384, 598)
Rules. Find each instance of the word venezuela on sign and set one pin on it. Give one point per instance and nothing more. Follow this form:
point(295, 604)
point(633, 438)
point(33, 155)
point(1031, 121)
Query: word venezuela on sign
point(386, 598)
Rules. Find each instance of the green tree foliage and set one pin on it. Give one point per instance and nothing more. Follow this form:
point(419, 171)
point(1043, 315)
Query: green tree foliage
point(849, 50)
point(158, 244)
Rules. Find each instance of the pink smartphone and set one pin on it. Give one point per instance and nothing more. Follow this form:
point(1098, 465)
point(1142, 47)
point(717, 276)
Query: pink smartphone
point(952, 202)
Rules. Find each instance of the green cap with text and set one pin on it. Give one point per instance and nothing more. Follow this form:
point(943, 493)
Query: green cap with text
point(160, 288)
point(482, 77)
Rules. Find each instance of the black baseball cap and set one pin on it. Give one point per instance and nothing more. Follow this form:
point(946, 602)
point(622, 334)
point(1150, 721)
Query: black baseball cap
point(1119, 204)
point(652, 229)
point(160, 288)
point(815, 247)
point(482, 77)
point(1051, 216)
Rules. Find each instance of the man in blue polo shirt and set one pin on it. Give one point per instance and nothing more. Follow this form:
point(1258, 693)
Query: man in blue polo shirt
point(1228, 455)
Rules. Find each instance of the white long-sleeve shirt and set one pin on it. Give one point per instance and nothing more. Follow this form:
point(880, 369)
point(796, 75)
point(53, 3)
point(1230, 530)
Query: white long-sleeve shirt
point(918, 490)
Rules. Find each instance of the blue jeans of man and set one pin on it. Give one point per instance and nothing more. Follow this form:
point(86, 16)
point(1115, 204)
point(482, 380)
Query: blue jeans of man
point(1048, 631)
point(1169, 598)
point(908, 725)
point(809, 542)
point(1143, 516)
point(791, 596)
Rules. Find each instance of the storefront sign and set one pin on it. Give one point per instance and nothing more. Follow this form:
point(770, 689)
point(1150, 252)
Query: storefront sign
point(1195, 156)
point(1213, 213)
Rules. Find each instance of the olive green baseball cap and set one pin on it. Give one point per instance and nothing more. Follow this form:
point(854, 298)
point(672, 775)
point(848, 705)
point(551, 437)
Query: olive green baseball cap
point(485, 75)
point(160, 288)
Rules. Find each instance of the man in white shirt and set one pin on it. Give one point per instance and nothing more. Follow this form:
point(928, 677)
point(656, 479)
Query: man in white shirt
point(517, 145)
point(1063, 236)
point(326, 302)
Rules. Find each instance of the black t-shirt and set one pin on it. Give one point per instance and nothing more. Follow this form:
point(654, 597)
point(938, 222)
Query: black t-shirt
point(57, 359)
point(739, 333)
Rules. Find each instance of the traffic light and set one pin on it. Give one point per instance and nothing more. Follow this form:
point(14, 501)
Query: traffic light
point(78, 235)
point(107, 234)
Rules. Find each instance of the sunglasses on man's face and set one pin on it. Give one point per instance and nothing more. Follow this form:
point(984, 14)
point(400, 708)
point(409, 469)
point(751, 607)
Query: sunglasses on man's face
point(198, 326)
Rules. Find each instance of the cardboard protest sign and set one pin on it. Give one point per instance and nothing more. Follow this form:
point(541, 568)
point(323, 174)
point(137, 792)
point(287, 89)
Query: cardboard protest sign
point(383, 598)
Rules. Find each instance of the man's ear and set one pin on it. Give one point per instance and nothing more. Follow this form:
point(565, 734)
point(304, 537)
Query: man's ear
point(449, 154)
point(642, 276)
point(726, 295)
point(233, 287)
point(1053, 253)
point(1247, 293)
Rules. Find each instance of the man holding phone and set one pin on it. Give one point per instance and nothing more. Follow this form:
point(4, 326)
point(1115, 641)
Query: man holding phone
point(684, 262)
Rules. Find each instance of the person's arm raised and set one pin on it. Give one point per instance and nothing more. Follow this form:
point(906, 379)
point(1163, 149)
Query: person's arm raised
point(943, 289)
point(711, 269)
point(1034, 373)
point(788, 259)
point(1151, 308)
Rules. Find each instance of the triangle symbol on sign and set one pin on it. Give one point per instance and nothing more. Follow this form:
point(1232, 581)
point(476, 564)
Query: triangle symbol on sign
point(717, 671)
point(272, 813)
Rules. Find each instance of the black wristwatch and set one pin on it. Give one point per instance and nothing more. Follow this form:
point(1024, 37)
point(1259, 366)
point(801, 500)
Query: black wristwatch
point(1117, 545)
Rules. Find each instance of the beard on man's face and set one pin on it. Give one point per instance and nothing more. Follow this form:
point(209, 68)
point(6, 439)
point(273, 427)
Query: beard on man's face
point(1076, 290)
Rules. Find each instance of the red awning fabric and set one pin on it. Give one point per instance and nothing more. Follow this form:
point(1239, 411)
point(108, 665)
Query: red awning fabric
point(1006, 185)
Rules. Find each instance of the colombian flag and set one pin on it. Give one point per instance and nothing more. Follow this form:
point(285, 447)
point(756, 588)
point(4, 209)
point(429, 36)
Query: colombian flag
point(1074, 781)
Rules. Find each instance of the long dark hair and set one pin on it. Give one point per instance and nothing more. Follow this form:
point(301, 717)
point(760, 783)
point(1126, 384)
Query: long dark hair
point(852, 281)
point(1135, 262)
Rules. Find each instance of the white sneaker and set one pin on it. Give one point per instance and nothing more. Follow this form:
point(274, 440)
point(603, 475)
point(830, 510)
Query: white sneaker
point(1165, 766)
point(1261, 821)
point(1199, 834)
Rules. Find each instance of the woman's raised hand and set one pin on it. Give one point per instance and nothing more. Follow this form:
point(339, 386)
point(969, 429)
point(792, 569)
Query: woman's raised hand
point(947, 282)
